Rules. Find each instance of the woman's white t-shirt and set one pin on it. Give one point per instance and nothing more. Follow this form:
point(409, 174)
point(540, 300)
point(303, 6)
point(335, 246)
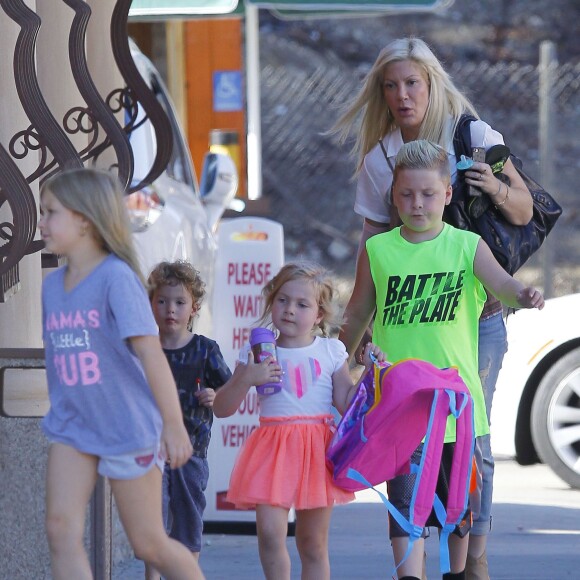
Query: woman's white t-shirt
point(376, 177)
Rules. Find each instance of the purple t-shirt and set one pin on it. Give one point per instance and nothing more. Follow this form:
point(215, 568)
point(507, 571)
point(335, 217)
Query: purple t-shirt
point(100, 401)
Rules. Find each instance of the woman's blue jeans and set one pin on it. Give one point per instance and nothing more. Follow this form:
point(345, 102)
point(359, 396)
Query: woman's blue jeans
point(492, 348)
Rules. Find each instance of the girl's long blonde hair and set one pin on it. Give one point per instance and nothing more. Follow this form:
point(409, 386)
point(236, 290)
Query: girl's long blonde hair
point(310, 272)
point(445, 100)
point(98, 196)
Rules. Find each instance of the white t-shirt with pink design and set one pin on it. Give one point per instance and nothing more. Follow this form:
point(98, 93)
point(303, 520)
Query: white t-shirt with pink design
point(307, 379)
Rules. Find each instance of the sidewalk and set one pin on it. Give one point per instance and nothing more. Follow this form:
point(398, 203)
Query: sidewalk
point(536, 536)
point(358, 549)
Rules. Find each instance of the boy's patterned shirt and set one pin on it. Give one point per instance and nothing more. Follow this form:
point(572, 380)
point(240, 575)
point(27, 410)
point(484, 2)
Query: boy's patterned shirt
point(197, 365)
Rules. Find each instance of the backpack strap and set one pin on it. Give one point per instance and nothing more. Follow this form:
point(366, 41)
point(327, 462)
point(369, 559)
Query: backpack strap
point(460, 478)
point(415, 531)
point(450, 516)
point(463, 193)
point(424, 493)
point(426, 476)
point(424, 498)
point(425, 485)
point(462, 136)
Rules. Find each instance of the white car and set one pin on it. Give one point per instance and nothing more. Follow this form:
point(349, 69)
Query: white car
point(536, 407)
point(172, 219)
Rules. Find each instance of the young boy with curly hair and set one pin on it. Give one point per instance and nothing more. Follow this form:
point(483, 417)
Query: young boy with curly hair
point(176, 291)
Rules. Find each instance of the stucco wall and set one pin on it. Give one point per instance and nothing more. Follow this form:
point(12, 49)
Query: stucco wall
point(23, 547)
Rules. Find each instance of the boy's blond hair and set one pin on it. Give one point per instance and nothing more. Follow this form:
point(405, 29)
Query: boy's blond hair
point(422, 154)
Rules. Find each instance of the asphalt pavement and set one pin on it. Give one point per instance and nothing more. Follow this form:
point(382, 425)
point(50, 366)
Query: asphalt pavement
point(536, 536)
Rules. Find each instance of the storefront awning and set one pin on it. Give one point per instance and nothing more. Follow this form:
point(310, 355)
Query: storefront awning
point(348, 5)
point(179, 8)
point(308, 9)
point(162, 9)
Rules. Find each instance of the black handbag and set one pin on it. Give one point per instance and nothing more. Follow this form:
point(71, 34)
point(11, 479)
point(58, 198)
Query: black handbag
point(512, 245)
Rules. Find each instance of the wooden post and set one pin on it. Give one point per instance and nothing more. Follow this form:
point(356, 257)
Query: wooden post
point(212, 46)
point(176, 81)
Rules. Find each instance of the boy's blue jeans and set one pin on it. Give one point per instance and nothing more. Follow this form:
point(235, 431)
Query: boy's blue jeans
point(492, 348)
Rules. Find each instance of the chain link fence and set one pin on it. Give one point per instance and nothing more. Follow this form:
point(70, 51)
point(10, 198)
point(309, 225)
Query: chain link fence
point(309, 178)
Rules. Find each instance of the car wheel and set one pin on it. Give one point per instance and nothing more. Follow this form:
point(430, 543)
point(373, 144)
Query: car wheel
point(556, 418)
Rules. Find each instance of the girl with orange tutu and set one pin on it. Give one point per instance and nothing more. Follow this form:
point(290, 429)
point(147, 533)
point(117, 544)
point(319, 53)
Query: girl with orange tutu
point(282, 463)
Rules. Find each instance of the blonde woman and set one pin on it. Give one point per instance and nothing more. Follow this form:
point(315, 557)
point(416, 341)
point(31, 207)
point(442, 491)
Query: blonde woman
point(407, 95)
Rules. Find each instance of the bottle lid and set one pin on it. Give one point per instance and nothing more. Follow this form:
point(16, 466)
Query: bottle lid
point(464, 163)
point(258, 335)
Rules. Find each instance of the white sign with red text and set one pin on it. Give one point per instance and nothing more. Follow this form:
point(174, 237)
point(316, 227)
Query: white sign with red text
point(250, 253)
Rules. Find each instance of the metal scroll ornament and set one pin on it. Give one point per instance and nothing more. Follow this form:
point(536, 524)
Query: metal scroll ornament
point(49, 140)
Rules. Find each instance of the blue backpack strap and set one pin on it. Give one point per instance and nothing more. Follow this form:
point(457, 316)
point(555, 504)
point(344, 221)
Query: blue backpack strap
point(425, 486)
point(432, 452)
point(458, 493)
point(424, 498)
point(425, 481)
point(414, 531)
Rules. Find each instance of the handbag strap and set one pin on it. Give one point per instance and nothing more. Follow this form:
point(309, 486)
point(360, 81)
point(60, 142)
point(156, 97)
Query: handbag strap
point(389, 192)
point(462, 136)
point(461, 139)
point(386, 156)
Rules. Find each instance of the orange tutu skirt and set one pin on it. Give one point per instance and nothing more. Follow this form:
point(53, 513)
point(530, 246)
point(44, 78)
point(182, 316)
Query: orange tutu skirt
point(282, 463)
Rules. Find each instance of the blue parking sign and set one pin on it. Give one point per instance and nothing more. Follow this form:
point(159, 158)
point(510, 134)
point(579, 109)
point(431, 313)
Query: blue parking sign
point(227, 91)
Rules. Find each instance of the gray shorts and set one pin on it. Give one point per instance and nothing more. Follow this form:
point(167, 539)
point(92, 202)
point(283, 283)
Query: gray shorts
point(184, 501)
point(130, 465)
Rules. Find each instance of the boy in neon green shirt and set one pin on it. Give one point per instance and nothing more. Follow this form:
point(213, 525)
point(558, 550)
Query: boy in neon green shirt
point(425, 280)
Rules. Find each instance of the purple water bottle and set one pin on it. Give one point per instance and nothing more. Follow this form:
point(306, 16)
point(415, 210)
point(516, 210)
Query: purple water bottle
point(263, 343)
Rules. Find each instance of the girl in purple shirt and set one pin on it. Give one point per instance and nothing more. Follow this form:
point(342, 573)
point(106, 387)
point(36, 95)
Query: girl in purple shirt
point(114, 407)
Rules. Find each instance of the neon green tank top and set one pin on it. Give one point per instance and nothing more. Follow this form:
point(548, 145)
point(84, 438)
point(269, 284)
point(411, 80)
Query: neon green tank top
point(428, 305)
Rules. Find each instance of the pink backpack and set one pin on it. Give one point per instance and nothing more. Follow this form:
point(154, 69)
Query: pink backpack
point(394, 409)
